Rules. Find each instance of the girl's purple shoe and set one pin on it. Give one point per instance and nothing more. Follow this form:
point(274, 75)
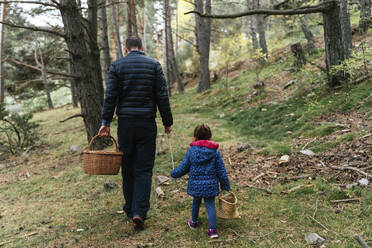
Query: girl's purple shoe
point(212, 233)
point(192, 224)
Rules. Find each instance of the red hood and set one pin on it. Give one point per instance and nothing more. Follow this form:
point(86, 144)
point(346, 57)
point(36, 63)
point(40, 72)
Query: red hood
point(205, 143)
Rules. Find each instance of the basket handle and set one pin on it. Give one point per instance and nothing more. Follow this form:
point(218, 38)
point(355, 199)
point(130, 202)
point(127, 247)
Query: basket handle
point(91, 141)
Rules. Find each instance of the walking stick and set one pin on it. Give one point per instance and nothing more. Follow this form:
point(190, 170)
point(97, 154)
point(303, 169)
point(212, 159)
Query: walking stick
point(171, 150)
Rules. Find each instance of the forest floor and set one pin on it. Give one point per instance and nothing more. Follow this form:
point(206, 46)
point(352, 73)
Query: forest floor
point(48, 201)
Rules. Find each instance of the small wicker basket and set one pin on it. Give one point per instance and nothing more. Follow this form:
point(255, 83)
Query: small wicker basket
point(102, 162)
point(227, 206)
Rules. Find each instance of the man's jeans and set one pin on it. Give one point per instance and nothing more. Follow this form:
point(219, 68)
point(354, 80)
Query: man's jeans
point(137, 141)
point(211, 210)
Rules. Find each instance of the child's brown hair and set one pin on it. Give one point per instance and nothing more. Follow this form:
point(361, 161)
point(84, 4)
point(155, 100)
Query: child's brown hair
point(202, 132)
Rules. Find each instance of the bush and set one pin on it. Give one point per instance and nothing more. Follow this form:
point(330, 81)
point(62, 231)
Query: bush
point(17, 132)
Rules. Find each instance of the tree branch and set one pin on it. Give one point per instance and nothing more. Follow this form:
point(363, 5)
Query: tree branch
point(39, 69)
point(323, 7)
point(34, 2)
point(34, 28)
point(71, 117)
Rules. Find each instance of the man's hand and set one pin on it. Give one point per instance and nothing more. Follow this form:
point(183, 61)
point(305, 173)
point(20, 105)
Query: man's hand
point(168, 130)
point(104, 131)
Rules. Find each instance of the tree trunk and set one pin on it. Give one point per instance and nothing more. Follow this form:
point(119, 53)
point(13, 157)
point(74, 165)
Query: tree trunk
point(365, 16)
point(144, 27)
point(119, 51)
point(83, 67)
point(105, 42)
point(94, 53)
point(307, 32)
point(203, 36)
point(337, 41)
point(41, 65)
point(166, 49)
point(171, 58)
point(298, 52)
point(261, 31)
point(2, 33)
point(252, 23)
point(74, 96)
point(132, 19)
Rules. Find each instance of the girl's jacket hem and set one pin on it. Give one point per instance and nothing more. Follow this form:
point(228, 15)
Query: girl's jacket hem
point(206, 169)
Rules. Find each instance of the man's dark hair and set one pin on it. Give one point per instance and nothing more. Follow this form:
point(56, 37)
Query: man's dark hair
point(133, 42)
point(202, 132)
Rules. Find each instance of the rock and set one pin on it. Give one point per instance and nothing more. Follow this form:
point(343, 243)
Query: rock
point(221, 115)
point(363, 182)
point(74, 149)
point(264, 109)
point(162, 179)
point(290, 83)
point(160, 192)
point(109, 185)
point(80, 230)
point(314, 239)
point(351, 185)
point(284, 159)
point(308, 152)
point(244, 146)
point(2, 166)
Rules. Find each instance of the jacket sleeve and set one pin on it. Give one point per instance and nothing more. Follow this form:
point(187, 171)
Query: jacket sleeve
point(222, 174)
point(183, 168)
point(111, 96)
point(161, 97)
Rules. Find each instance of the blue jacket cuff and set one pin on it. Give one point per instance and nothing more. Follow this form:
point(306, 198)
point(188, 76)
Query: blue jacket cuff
point(106, 123)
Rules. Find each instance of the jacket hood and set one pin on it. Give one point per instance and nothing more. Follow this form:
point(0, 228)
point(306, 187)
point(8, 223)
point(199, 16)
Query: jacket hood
point(205, 143)
point(203, 151)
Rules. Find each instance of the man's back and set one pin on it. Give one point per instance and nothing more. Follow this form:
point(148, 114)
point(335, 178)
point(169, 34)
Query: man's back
point(136, 85)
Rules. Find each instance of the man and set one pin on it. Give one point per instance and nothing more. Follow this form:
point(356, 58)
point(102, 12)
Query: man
point(136, 87)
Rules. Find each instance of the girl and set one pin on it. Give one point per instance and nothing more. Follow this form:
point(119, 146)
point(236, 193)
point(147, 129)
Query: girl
point(205, 166)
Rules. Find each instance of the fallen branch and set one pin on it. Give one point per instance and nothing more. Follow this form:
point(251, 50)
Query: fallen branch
point(259, 188)
point(298, 187)
point(316, 207)
point(366, 136)
point(71, 117)
point(361, 241)
point(5, 242)
point(345, 200)
point(295, 177)
point(34, 28)
point(353, 169)
point(320, 224)
point(258, 177)
point(308, 143)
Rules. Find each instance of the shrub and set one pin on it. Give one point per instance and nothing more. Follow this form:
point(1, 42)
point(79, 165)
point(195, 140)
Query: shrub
point(16, 131)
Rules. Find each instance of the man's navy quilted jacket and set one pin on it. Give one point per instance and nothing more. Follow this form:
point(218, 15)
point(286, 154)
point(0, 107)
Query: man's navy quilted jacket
point(135, 86)
point(205, 166)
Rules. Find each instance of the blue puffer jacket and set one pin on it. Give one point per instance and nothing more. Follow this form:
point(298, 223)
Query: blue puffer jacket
point(135, 87)
point(205, 166)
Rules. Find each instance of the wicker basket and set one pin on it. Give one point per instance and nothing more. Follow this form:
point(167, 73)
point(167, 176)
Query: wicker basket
point(227, 206)
point(102, 162)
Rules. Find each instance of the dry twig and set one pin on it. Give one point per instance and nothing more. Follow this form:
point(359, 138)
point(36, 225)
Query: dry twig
point(361, 241)
point(346, 200)
point(259, 188)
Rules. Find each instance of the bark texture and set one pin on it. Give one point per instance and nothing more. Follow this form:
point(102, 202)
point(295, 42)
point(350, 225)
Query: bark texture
point(203, 37)
point(2, 33)
point(261, 30)
point(307, 32)
point(104, 40)
point(365, 16)
point(337, 40)
point(119, 50)
point(253, 25)
point(132, 19)
point(299, 54)
point(171, 58)
point(90, 89)
point(74, 96)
